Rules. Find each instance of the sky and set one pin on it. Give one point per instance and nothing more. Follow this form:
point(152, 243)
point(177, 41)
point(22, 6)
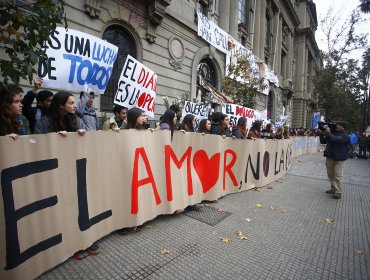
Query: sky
point(347, 6)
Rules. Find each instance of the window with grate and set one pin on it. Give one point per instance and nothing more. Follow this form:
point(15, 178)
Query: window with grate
point(120, 37)
point(267, 31)
point(270, 104)
point(205, 71)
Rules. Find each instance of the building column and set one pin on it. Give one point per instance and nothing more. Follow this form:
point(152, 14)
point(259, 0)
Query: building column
point(233, 20)
point(290, 57)
point(256, 30)
point(261, 31)
point(224, 12)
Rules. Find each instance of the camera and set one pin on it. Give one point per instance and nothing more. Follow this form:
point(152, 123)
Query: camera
point(331, 125)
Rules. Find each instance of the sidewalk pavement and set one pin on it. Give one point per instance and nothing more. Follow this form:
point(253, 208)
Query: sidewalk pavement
point(288, 238)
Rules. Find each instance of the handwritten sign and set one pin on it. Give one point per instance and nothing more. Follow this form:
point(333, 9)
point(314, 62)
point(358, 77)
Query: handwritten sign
point(137, 87)
point(200, 111)
point(235, 112)
point(77, 62)
point(213, 34)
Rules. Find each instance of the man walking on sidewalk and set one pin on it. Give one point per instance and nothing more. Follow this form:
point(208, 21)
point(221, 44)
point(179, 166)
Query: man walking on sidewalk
point(336, 152)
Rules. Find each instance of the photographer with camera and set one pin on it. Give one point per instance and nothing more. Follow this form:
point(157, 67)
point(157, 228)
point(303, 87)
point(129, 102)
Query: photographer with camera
point(336, 152)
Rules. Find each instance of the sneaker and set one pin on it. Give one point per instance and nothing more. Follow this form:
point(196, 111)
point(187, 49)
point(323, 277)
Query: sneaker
point(337, 196)
point(331, 191)
point(81, 255)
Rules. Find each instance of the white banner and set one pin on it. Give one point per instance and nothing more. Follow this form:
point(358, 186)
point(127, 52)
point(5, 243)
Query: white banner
point(213, 34)
point(137, 87)
point(77, 62)
point(236, 111)
point(200, 111)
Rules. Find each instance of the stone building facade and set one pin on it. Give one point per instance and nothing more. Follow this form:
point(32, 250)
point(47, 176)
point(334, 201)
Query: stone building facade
point(162, 34)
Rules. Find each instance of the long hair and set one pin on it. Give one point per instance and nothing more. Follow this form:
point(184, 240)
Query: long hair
point(8, 120)
point(202, 128)
point(168, 117)
point(187, 123)
point(242, 127)
point(60, 120)
point(132, 115)
point(221, 127)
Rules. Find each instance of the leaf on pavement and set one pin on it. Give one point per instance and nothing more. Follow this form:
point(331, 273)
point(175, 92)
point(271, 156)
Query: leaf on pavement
point(358, 251)
point(224, 239)
point(284, 212)
point(220, 210)
point(165, 251)
point(329, 221)
point(241, 235)
point(269, 187)
point(248, 220)
point(149, 226)
point(259, 205)
point(272, 208)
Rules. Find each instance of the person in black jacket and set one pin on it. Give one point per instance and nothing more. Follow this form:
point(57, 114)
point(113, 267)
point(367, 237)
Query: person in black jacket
point(336, 152)
point(43, 99)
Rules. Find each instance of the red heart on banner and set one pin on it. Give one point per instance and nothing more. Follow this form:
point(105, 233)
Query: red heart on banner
point(208, 169)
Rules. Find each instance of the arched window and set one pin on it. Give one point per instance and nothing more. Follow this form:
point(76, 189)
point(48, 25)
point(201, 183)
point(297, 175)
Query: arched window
point(205, 72)
point(120, 37)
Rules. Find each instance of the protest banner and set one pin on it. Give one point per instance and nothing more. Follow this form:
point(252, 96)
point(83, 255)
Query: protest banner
point(315, 119)
point(213, 34)
point(54, 203)
point(200, 111)
point(236, 111)
point(77, 62)
point(137, 87)
point(281, 120)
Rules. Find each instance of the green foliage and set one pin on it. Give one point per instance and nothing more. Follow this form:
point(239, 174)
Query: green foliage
point(242, 84)
point(24, 29)
point(179, 100)
point(339, 84)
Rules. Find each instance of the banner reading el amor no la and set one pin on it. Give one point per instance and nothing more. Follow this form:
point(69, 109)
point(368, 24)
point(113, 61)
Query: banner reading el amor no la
point(77, 62)
point(137, 86)
point(60, 194)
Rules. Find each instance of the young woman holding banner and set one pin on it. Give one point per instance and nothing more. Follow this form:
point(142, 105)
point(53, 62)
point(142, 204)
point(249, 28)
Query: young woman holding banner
point(188, 123)
point(204, 126)
point(62, 118)
point(240, 131)
point(10, 108)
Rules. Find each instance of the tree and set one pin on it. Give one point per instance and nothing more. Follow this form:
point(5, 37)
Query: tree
point(242, 83)
point(338, 85)
point(24, 30)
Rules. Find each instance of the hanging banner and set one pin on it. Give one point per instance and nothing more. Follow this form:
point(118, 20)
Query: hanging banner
point(213, 34)
point(200, 111)
point(137, 87)
point(77, 62)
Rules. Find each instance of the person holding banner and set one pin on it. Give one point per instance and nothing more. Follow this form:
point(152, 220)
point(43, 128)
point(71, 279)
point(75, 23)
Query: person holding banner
point(204, 126)
point(240, 130)
point(10, 108)
point(168, 121)
point(62, 118)
point(43, 99)
point(188, 123)
point(86, 111)
point(118, 121)
point(255, 131)
point(135, 118)
point(223, 126)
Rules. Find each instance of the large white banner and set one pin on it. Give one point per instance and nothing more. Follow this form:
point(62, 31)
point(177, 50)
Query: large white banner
point(77, 62)
point(137, 87)
point(213, 34)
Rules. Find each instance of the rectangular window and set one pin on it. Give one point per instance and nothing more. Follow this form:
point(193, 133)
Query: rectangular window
point(243, 12)
point(267, 31)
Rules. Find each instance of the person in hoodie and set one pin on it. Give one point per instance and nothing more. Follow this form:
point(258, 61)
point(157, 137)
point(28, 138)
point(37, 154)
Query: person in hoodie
point(240, 130)
point(86, 111)
point(43, 100)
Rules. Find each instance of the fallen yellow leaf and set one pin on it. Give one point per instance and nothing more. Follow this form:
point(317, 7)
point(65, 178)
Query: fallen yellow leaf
point(248, 220)
point(358, 251)
point(241, 235)
point(329, 221)
point(256, 190)
point(149, 226)
point(272, 208)
point(259, 205)
point(165, 251)
point(224, 239)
